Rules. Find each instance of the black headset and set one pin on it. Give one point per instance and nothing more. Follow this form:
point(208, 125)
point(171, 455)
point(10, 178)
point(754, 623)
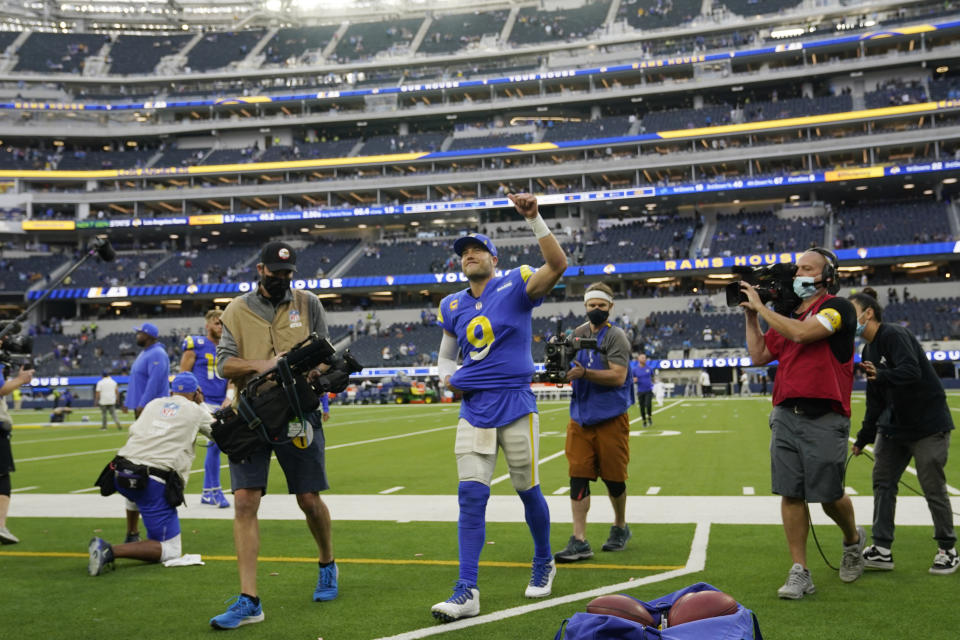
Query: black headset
point(829, 274)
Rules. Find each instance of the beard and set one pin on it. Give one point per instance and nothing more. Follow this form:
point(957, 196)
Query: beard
point(478, 272)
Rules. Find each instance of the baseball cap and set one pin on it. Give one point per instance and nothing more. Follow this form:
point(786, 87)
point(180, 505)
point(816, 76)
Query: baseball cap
point(279, 256)
point(474, 238)
point(185, 382)
point(148, 328)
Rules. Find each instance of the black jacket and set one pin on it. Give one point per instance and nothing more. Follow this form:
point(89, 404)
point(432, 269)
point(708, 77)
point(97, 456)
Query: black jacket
point(906, 401)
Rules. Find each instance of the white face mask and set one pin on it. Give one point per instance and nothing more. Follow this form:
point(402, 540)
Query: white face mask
point(804, 288)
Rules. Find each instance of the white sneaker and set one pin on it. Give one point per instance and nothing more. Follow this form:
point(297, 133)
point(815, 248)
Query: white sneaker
point(945, 562)
point(541, 580)
point(6, 537)
point(851, 564)
point(464, 603)
point(798, 584)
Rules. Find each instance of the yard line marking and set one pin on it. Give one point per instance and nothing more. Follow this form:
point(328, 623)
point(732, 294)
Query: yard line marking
point(67, 455)
point(714, 431)
point(97, 435)
point(851, 491)
point(749, 491)
point(391, 490)
point(561, 491)
point(653, 491)
point(696, 562)
point(383, 561)
point(23, 489)
point(506, 476)
point(950, 489)
point(385, 438)
point(85, 490)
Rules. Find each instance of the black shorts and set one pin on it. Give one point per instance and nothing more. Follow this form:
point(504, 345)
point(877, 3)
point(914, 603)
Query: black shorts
point(6, 454)
point(305, 469)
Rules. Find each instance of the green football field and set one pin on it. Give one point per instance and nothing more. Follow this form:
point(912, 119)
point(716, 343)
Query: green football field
point(700, 509)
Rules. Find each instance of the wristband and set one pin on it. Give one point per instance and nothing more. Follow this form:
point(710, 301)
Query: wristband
point(231, 394)
point(538, 226)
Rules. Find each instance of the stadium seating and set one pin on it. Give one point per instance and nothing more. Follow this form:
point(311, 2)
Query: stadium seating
point(764, 232)
point(421, 256)
point(928, 319)
point(210, 264)
point(19, 274)
point(230, 156)
point(945, 88)
point(494, 139)
point(81, 159)
point(25, 158)
point(180, 157)
point(452, 33)
point(127, 269)
point(895, 93)
point(217, 49)
point(534, 26)
point(289, 43)
point(875, 224)
point(601, 128)
point(58, 52)
point(759, 7)
point(377, 145)
point(650, 238)
point(365, 40)
point(659, 14)
point(369, 349)
point(141, 54)
point(320, 257)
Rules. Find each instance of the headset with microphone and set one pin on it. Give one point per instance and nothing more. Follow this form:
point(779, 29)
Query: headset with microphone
point(828, 277)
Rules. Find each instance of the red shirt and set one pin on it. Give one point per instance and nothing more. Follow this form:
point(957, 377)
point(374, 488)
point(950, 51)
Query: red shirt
point(810, 370)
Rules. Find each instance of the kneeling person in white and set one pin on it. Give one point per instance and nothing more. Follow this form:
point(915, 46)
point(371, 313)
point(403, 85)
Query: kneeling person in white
point(159, 451)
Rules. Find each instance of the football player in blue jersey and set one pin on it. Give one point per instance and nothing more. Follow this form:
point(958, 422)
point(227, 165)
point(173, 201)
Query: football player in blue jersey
point(199, 356)
point(490, 326)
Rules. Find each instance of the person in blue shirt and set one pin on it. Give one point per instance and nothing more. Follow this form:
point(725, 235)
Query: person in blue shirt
point(199, 354)
point(642, 375)
point(149, 379)
point(489, 325)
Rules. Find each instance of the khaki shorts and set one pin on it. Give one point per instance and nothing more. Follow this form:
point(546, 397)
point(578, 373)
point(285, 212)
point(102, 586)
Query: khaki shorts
point(601, 449)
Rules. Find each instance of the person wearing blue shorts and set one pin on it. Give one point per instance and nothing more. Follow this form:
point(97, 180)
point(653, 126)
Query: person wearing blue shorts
point(150, 471)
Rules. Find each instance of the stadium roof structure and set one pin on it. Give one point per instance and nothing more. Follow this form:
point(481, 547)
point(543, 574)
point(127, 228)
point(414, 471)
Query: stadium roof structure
point(150, 15)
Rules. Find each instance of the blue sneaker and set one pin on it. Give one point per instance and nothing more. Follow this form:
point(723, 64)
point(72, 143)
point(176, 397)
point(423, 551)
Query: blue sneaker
point(327, 583)
point(242, 611)
point(219, 499)
point(101, 556)
point(207, 497)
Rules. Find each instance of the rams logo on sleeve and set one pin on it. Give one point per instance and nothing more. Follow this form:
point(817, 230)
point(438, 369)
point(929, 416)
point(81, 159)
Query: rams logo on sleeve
point(830, 319)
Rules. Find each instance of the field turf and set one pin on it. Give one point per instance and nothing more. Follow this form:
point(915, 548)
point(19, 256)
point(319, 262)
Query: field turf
point(392, 469)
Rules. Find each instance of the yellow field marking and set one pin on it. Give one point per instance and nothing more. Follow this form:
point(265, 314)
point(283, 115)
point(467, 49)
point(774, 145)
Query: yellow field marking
point(381, 561)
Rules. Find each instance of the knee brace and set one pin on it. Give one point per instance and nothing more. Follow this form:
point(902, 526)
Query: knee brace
point(170, 549)
point(5, 485)
point(615, 489)
point(579, 489)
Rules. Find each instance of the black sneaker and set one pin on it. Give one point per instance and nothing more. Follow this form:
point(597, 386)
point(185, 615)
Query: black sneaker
point(132, 537)
point(873, 558)
point(618, 538)
point(945, 562)
point(575, 550)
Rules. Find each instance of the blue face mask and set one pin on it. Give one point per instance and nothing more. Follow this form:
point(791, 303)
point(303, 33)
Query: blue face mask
point(860, 327)
point(804, 288)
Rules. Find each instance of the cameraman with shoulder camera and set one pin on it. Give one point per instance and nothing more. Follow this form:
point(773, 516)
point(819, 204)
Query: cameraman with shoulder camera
point(598, 436)
point(6, 454)
point(810, 422)
point(258, 327)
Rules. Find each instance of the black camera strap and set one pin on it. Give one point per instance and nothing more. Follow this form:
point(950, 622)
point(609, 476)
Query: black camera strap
point(289, 385)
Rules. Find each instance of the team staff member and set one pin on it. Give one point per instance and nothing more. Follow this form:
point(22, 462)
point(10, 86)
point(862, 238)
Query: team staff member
point(489, 324)
point(641, 375)
point(810, 421)
point(157, 456)
point(149, 379)
point(6, 454)
point(105, 397)
point(598, 436)
point(257, 327)
point(907, 405)
point(199, 354)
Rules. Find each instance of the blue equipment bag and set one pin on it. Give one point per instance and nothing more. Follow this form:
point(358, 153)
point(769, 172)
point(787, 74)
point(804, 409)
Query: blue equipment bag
point(741, 625)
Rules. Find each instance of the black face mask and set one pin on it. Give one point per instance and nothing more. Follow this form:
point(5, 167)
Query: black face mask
point(597, 316)
point(274, 286)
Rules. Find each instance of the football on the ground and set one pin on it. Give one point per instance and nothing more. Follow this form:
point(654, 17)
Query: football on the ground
point(620, 606)
point(701, 605)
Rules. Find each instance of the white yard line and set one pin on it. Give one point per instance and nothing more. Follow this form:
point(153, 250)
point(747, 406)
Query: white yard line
point(391, 490)
point(66, 455)
point(696, 561)
point(749, 491)
point(19, 489)
point(652, 491)
point(96, 435)
point(663, 408)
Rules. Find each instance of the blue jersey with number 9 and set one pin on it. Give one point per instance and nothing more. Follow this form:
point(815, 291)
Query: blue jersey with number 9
point(213, 386)
point(494, 333)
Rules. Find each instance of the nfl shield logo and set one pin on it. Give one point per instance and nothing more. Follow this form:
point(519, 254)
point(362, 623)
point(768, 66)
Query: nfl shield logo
point(169, 410)
point(294, 316)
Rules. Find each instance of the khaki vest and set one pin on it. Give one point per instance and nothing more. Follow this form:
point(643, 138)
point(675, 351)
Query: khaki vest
point(258, 339)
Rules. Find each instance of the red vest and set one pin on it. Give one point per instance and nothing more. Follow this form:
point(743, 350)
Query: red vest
point(810, 370)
